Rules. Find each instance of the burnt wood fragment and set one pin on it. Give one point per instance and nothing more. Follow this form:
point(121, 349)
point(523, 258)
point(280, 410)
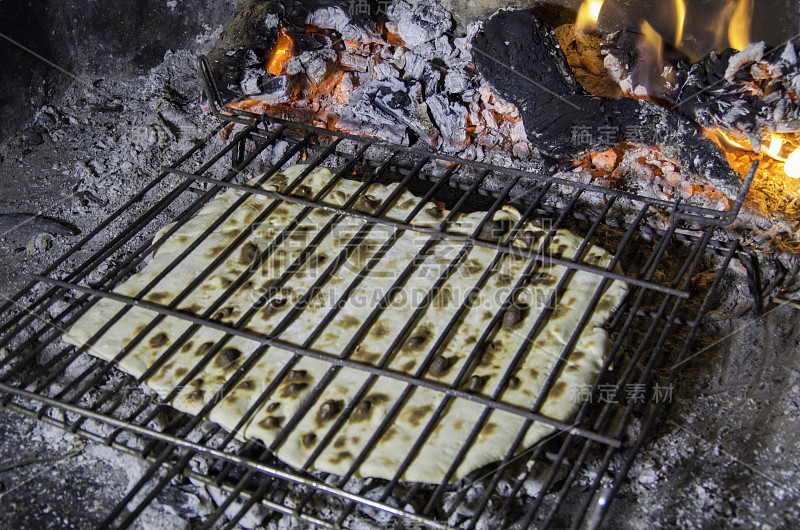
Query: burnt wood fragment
point(520, 57)
point(751, 92)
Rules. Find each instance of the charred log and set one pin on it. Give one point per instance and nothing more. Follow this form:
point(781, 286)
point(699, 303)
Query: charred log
point(750, 92)
point(519, 56)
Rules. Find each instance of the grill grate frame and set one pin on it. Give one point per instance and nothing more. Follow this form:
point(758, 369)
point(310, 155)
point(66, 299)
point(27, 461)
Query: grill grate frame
point(655, 308)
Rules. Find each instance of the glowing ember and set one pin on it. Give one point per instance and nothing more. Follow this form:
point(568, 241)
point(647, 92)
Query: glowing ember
point(282, 53)
point(588, 15)
point(739, 27)
point(680, 15)
point(792, 166)
point(775, 145)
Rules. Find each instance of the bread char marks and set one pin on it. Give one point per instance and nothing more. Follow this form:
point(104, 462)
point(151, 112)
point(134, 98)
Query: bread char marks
point(458, 338)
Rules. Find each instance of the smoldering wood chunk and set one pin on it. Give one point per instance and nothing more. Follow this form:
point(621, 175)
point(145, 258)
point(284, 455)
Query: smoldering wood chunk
point(519, 56)
point(274, 89)
point(313, 63)
point(379, 108)
point(423, 22)
point(451, 119)
point(356, 29)
point(254, 26)
point(750, 92)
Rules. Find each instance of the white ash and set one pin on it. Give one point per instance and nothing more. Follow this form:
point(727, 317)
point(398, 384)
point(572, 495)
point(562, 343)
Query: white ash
point(252, 519)
point(423, 22)
point(752, 53)
point(363, 114)
point(336, 18)
point(450, 119)
point(252, 78)
point(274, 90)
point(313, 63)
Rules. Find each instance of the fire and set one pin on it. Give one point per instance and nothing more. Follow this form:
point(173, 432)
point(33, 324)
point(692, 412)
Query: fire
point(680, 16)
point(588, 15)
point(739, 27)
point(282, 53)
point(777, 149)
point(652, 41)
point(792, 165)
point(775, 145)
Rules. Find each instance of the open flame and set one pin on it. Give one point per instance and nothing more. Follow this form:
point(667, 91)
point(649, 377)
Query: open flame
point(281, 54)
point(777, 149)
point(588, 15)
point(653, 43)
point(792, 165)
point(680, 17)
point(739, 27)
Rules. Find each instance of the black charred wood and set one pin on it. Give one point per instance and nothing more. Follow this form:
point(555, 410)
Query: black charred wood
point(520, 57)
point(730, 90)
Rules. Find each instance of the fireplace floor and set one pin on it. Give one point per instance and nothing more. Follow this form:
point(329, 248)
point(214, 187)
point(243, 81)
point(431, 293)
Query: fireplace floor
point(727, 452)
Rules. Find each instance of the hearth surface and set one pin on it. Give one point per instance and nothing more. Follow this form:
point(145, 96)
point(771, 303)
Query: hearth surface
point(724, 453)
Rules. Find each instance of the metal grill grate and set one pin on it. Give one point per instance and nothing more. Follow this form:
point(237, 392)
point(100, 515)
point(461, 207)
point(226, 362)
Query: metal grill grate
point(663, 246)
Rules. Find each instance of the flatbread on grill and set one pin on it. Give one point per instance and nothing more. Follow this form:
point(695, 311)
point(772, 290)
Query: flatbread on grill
point(453, 426)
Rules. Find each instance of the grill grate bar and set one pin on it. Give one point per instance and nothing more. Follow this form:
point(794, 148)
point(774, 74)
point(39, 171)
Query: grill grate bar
point(596, 517)
point(323, 357)
point(114, 319)
point(555, 371)
point(474, 241)
point(687, 270)
point(122, 269)
point(232, 288)
point(582, 412)
point(339, 421)
point(183, 443)
point(414, 451)
point(652, 308)
point(14, 324)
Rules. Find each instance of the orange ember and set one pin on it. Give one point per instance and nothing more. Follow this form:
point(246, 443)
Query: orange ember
point(282, 53)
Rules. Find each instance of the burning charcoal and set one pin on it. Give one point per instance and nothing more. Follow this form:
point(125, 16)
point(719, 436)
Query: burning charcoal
point(720, 91)
point(314, 63)
point(353, 61)
point(333, 17)
point(451, 119)
point(754, 52)
point(423, 22)
point(455, 82)
point(431, 78)
point(414, 66)
point(398, 58)
point(387, 118)
point(385, 71)
point(252, 79)
point(274, 89)
point(443, 47)
point(563, 121)
point(272, 21)
point(357, 30)
point(521, 150)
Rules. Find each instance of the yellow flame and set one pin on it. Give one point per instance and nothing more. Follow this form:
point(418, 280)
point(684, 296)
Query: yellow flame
point(282, 53)
point(775, 145)
point(653, 41)
point(680, 15)
point(588, 15)
point(739, 27)
point(792, 166)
